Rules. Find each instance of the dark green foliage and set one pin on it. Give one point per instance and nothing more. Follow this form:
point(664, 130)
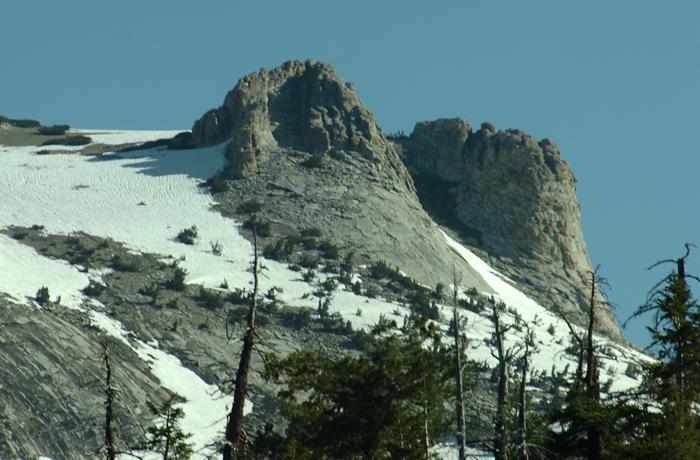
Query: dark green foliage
point(375, 405)
point(314, 162)
point(329, 250)
point(308, 261)
point(55, 130)
point(281, 250)
point(166, 436)
point(217, 183)
point(188, 235)
point(125, 263)
point(262, 228)
point(438, 199)
point(211, 300)
point(42, 296)
point(177, 282)
point(311, 232)
point(296, 318)
point(239, 297)
point(20, 123)
point(94, 289)
point(69, 140)
point(250, 207)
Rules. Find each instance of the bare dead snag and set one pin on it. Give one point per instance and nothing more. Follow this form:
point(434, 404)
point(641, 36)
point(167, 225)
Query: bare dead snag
point(110, 438)
point(461, 435)
point(234, 426)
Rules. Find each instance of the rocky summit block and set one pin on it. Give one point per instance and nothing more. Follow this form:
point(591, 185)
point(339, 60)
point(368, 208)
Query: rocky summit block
point(299, 105)
point(520, 195)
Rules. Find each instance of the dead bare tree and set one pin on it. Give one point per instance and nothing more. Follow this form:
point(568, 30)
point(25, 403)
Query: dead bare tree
point(523, 448)
point(234, 426)
point(505, 356)
point(595, 442)
point(110, 393)
point(461, 435)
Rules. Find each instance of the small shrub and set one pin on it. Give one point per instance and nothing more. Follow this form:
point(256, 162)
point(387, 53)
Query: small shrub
point(357, 288)
point(281, 250)
point(329, 250)
point(309, 242)
point(94, 289)
point(372, 291)
point(177, 282)
point(239, 296)
point(188, 235)
point(551, 329)
point(250, 207)
point(358, 312)
point(308, 261)
point(314, 162)
point(43, 152)
point(224, 284)
point(125, 264)
point(172, 304)
point(55, 130)
point(211, 300)
point(309, 275)
point(329, 285)
point(216, 248)
point(314, 232)
point(262, 228)
point(296, 318)
point(217, 184)
point(380, 270)
point(633, 370)
point(42, 296)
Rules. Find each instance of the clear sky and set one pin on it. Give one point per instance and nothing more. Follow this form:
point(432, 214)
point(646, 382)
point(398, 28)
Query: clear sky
point(615, 83)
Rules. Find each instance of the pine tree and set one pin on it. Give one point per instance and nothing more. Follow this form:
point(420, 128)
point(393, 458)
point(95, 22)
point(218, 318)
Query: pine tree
point(166, 436)
point(673, 382)
point(389, 402)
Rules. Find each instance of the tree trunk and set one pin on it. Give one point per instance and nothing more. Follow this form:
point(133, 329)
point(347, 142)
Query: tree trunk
point(110, 440)
point(522, 411)
point(461, 438)
point(234, 427)
point(501, 441)
point(594, 435)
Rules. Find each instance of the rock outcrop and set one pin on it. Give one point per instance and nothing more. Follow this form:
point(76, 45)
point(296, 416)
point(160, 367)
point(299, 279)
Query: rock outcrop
point(519, 195)
point(300, 105)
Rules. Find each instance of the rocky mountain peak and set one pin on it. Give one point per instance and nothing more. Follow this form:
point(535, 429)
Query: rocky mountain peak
point(299, 105)
point(519, 196)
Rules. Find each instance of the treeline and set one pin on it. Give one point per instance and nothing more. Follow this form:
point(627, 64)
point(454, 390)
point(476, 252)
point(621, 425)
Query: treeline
point(403, 395)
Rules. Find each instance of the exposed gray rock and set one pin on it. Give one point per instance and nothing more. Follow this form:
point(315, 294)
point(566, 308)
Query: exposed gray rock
point(521, 197)
point(300, 105)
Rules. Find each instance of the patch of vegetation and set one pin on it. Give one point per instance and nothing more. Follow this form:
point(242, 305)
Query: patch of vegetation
point(308, 261)
point(177, 282)
point(282, 249)
point(262, 228)
point(437, 198)
point(314, 162)
point(188, 235)
point(42, 296)
point(94, 289)
point(216, 183)
point(329, 250)
point(55, 130)
point(249, 207)
point(125, 263)
point(69, 140)
point(211, 300)
point(20, 123)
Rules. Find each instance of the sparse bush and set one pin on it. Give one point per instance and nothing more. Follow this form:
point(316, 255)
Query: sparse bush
point(239, 296)
point(329, 285)
point(94, 289)
point(380, 270)
point(216, 248)
point(262, 228)
point(551, 329)
point(296, 318)
point(308, 261)
point(309, 275)
point(42, 296)
point(211, 300)
point(216, 183)
point(314, 162)
point(249, 207)
point(55, 130)
point(125, 264)
point(309, 242)
point(224, 284)
point(152, 291)
point(177, 282)
point(329, 250)
point(281, 250)
point(314, 232)
point(357, 288)
point(188, 235)
point(172, 304)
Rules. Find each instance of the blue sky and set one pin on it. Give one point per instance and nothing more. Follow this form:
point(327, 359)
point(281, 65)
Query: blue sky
point(615, 84)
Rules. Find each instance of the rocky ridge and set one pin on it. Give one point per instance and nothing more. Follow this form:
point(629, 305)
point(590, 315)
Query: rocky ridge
point(521, 197)
point(515, 193)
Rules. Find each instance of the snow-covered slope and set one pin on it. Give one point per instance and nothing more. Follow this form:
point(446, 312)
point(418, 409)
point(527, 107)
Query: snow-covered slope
point(143, 199)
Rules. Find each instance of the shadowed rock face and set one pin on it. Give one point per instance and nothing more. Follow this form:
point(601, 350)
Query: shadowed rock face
point(300, 105)
point(520, 196)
